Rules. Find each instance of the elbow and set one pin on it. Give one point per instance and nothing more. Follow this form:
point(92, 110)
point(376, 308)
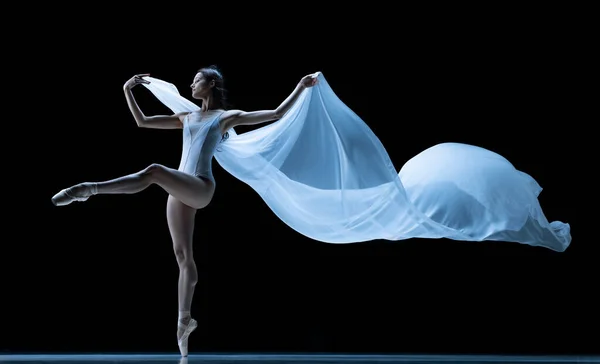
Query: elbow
point(278, 114)
point(141, 123)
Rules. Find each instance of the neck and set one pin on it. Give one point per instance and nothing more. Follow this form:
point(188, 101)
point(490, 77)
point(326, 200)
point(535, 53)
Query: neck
point(208, 104)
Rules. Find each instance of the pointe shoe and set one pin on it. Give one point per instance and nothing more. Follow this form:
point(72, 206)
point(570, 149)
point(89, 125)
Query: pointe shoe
point(187, 330)
point(66, 196)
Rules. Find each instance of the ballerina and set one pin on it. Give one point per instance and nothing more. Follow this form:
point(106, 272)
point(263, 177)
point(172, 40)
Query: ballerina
point(190, 187)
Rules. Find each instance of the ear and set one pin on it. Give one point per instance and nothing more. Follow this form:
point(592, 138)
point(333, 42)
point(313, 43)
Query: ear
point(212, 83)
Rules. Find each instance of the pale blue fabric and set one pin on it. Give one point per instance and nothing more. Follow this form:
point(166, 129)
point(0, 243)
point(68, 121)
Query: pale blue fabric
point(323, 172)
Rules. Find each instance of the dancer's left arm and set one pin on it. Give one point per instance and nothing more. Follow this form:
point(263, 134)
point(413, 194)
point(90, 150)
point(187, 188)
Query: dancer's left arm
point(232, 118)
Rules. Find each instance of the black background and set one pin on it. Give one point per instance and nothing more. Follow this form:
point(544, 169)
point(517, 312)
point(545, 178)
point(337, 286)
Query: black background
point(100, 276)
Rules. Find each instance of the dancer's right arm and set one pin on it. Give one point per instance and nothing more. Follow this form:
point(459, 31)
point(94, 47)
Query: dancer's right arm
point(174, 121)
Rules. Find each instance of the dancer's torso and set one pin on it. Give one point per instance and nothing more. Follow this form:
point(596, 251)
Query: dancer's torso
point(201, 135)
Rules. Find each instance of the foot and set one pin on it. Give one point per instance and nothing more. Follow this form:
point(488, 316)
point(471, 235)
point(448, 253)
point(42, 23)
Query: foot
point(80, 192)
point(184, 329)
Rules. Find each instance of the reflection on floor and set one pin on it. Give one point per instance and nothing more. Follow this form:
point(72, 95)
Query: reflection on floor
point(292, 359)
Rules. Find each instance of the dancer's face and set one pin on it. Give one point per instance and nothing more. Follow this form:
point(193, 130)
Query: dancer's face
point(200, 86)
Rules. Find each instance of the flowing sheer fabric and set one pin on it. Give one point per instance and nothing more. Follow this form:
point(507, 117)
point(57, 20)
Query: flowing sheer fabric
point(324, 173)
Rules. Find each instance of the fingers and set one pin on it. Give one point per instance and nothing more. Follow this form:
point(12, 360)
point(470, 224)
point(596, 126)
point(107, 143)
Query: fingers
point(137, 79)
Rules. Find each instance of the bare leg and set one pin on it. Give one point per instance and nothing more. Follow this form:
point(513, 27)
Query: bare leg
point(186, 195)
point(181, 219)
point(192, 191)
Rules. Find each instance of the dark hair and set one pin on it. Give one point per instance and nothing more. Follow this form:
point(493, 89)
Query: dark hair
point(212, 73)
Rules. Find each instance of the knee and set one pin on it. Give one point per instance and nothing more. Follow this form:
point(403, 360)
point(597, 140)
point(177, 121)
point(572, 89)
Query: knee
point(184, 258)
point(152, 171)
point(187, 266)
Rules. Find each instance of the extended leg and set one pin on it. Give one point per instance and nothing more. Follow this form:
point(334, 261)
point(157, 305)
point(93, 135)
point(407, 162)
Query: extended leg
point(191, 190)
point(181, 219)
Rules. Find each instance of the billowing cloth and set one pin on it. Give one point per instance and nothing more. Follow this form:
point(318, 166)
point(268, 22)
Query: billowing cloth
point(323, 172)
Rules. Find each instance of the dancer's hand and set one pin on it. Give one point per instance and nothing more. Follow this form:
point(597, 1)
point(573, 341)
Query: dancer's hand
point(136, 80)
point(310, 80)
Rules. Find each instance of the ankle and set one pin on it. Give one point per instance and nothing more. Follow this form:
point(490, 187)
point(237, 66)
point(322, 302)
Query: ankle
point(92, 187)
point(184, 317)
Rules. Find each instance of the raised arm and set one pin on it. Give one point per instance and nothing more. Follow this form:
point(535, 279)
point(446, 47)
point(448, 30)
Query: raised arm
point(232, 118)
point(174, 121)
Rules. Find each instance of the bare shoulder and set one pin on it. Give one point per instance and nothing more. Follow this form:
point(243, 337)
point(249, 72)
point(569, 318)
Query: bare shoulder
point(228, 118)
point(181, 115)
point(230, 114)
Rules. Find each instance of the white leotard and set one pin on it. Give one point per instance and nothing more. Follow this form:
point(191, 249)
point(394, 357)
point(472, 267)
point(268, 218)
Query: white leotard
point(201, 135)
